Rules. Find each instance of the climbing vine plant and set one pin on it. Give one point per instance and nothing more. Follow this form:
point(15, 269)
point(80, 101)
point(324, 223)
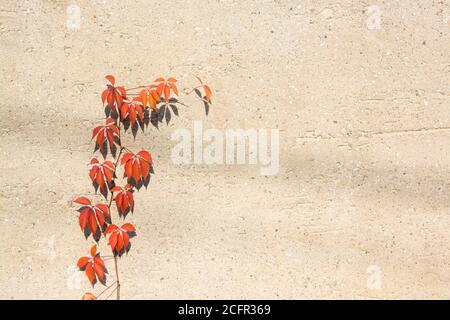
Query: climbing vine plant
point(126, 110)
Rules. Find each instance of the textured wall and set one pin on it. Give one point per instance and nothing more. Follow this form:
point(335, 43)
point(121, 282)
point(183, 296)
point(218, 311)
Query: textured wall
point(359, 208)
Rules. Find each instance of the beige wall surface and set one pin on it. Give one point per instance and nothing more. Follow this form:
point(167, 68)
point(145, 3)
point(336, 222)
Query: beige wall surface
point(359, 91)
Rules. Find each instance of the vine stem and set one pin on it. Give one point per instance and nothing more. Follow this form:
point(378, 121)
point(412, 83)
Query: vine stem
point(117, 278)
point(135, 88)
point(116, 266)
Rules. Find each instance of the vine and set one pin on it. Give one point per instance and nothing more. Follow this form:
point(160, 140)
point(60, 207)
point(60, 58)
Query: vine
point(125, 109)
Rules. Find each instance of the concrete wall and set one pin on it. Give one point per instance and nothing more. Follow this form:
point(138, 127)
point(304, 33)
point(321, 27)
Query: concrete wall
point(359, 208)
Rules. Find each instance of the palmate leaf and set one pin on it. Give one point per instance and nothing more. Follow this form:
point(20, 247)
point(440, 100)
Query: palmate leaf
point(119, 239)
point(164, 110)
point(149, 96)
point(94, 267)
point(93, 219)
point(166, 87)
point(206, 98)
point(137, 168)
point(132, 115)
point(107, 137)
point(112, 98)
point(124, 199)
point(102, 175)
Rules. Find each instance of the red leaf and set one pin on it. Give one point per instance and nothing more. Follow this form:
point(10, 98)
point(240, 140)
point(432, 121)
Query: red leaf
point(94, 219)
point(128, 227)
point(82, 262)
point(127, 156)
point(94, 267)
point(106, 137)
point(113, 96)
point(137, 168)
point(111, 79)
point(119, 239)
point(91, 274)
point(82, 200)
point(124, 200)
point(102, 176)
point(146, 156)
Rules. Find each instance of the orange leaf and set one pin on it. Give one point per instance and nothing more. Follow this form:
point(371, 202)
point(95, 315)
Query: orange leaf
point(93, 266)
point(124, 200)
point(88, 296)
point(82, 200)
point(174, 88)
point(111, 79)
point(94, 250)
point(94, 219)
point(119, 239)
point(82, 262)
point(91, 274)
point(208, 93)
point(106, 136)
point(137, 168)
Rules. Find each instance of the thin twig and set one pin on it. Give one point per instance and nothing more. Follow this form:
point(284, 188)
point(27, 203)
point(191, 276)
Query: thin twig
point(107, 288)
point(135, 88)
point(111, 293)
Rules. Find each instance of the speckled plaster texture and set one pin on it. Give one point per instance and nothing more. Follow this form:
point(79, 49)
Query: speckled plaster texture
point(359, 92)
